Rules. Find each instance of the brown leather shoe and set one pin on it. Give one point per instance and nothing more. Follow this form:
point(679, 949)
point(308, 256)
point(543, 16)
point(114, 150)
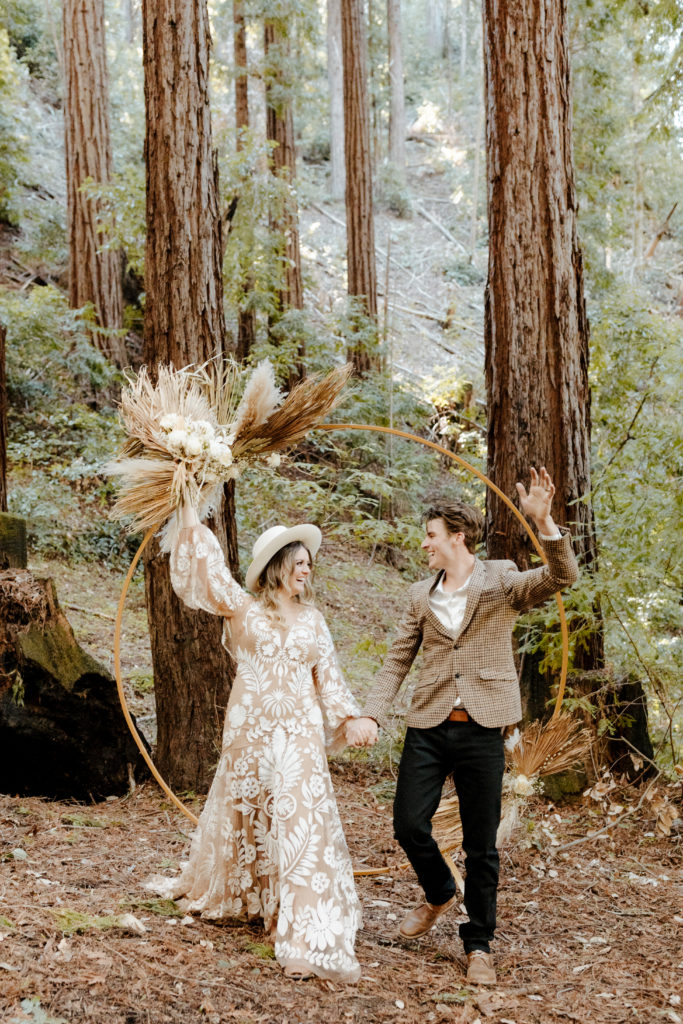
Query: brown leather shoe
point(422, 918)
point(480, 969)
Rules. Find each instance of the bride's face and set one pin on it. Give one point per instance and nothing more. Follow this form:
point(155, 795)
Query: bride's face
point(295, 583)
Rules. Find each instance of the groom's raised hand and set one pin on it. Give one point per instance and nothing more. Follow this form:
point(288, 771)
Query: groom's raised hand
point(537, 502)
point(361, 732)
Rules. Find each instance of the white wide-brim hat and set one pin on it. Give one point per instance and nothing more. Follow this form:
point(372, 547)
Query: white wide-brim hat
point(270, 542)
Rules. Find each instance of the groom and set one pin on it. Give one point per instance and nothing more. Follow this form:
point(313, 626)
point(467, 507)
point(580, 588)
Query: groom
point(466, 692)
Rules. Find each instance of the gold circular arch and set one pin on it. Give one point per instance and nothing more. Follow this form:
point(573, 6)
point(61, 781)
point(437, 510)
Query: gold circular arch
point(328, 426)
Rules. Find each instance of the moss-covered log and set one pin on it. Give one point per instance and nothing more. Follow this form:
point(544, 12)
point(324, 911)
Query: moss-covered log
point(62, 731)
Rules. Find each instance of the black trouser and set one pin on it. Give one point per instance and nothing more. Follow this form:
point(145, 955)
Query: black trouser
point(475, 757)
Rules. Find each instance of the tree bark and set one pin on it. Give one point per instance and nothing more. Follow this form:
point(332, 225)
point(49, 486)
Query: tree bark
point(246, 317)
point(93, 277)
point(3, 420)
point(62, 730)
point(536, 330)
point(184, 323)
point(397, 112)
point(360, 230)
point(335, 79)
point(280, 130)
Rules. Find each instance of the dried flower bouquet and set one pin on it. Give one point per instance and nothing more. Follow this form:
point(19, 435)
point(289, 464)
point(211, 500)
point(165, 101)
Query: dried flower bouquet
point(188, 433)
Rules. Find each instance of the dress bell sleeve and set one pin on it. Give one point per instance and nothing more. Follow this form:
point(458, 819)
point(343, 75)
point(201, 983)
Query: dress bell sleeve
point(337, 703)
point(199, 575)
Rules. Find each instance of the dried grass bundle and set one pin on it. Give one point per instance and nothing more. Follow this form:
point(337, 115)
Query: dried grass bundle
point(220, 379)
point(187, 433)
point(303, 409)
point(447, 825)
point(151, 490)
point(144, 404)
point(261, 398)
point(544, 748)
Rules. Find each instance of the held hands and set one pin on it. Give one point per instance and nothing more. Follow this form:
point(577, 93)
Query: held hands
point(361, 732)
point(536, 504)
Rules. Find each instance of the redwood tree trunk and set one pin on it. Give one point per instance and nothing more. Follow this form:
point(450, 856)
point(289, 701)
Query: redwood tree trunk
point(360, 230)
point(246, 317)
point(280, 130)
point(335, 81)
point(536, 329)
point(397, 111)
point(93, 277)
point(184, 323)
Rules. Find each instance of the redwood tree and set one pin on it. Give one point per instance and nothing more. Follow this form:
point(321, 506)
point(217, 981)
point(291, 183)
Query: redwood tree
point(360, 229)
point(93, 277)
point(184, 323)
point(335, 81)
point(536, 328)
point(280, 131)
point(246, 317)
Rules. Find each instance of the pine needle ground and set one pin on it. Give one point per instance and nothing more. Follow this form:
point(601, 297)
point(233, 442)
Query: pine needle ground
point(590, 934)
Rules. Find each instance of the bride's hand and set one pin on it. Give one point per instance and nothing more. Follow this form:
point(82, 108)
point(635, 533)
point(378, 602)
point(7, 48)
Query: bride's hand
point(188, 516)
point(361, 732)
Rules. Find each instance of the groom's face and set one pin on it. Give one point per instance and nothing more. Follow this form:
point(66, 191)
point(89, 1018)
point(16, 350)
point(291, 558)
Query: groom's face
point(440, 545)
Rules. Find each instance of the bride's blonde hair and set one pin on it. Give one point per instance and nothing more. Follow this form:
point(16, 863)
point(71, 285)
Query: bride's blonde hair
point(278, 569)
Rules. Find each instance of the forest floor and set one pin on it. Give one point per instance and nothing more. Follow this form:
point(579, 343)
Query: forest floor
point(588, 933)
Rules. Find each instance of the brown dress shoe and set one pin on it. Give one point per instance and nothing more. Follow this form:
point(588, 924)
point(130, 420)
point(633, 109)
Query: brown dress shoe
point(480, 969)
point(422, 918)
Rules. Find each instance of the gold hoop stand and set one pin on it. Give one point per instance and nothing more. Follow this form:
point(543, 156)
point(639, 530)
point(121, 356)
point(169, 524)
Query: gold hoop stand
point(329, 426)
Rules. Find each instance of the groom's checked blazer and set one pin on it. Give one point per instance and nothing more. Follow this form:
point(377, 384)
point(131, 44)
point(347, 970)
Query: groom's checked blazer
point(477, 663)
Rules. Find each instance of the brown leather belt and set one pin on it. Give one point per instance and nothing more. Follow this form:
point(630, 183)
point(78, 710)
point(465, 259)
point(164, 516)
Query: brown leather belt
point(458, 715)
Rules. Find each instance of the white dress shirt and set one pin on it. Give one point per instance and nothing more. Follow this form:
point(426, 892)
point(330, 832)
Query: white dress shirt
point(449, 606)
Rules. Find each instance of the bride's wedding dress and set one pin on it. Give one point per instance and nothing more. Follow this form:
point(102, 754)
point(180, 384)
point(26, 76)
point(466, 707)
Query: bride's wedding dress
point(270, 841)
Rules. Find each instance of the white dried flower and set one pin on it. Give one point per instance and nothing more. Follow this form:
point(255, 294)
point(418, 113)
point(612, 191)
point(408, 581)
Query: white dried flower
point(170, 421)
point(193, 445)
point(203, 428)
point(177, 440)
point(220, 452)
point(513, 739)
point(274, 460)
point(522, 785)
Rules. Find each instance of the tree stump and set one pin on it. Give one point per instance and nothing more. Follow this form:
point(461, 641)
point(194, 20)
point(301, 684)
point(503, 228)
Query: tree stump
point(62, 730)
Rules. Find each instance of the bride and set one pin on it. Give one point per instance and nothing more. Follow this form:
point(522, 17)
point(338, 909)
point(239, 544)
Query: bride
point(269, 842)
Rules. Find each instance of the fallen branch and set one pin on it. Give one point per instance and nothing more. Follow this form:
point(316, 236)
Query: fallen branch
point(437, 224)
point(91, 611)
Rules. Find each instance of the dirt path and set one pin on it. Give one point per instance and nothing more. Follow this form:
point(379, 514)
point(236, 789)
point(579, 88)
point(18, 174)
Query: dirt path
point(588, 934)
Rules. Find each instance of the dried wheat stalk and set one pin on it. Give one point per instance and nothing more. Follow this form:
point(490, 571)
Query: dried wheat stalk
point(303, 409)
point(545, 748)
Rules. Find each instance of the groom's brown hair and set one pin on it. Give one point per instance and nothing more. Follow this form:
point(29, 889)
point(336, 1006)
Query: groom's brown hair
point(459, 518)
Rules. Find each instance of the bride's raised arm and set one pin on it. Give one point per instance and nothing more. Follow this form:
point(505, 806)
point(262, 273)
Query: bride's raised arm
point(199, 574)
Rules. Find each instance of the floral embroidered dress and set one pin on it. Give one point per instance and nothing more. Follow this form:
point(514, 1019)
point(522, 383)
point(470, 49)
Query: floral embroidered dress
point(270, 841)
